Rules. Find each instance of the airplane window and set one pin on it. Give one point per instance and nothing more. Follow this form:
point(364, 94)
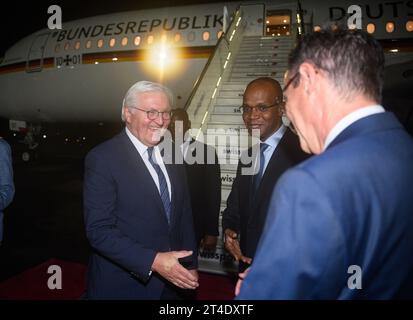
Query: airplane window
point(409, 25)
point(137, 41)
point(88, 44)
point(191, 36)
point(164, 37)
point(219, 34)
point(317, 28)
point(177, 37)
point(77, 45)
point(57, 48)
point(67, 46)
point(205, 36)
point(100, 43)
point(371, 27)
point(112, 42)
point(150, 39)
point(124, 41)
point(390, 27)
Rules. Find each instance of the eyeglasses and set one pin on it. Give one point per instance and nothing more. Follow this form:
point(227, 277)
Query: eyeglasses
point(260, 108)
point(287, 122)
point(154, 114)
point(285, 89)
point(287, 85)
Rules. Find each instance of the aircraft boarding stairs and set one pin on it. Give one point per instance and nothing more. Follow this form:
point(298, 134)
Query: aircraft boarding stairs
point(214, 105)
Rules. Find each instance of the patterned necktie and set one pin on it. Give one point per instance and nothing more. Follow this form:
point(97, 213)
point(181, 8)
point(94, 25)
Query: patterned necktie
point(257, 178)
point(163, 186)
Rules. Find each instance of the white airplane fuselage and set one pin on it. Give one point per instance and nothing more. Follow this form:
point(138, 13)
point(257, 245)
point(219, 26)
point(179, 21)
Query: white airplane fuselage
point(69, 81)
point(81, 73)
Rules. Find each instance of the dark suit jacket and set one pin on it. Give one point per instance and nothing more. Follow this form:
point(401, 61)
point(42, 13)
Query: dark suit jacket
point(204, 181)
point(246, 215)
point(126, 223)
point(349, 206)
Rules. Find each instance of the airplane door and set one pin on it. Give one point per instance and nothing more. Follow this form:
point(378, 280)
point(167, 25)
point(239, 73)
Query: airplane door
point(35, 57)
point(278, 23)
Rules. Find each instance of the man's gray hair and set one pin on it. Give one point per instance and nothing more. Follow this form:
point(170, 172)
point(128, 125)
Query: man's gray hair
point(352, 59)
point(131, 98)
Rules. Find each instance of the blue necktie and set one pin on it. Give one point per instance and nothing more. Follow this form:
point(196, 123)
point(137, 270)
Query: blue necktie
point(257, 178)
point(163, 186)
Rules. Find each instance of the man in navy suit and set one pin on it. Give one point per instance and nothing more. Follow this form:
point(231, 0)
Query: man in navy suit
point(137, 209)
point(247, 204)
point(6, 180)
point(340, 225)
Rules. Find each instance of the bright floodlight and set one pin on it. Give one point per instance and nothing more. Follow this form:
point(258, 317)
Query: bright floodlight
point(162, 59)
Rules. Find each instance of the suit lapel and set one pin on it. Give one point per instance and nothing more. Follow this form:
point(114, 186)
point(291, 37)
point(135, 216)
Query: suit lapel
point(274, 168)
point(139, 165)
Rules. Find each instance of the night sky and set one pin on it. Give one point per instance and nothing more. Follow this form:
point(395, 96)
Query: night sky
point(19, 19)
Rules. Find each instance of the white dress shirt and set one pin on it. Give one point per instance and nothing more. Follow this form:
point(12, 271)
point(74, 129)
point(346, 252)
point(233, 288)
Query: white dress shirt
point(143, 152)
point(349, 120)
point(272, 142)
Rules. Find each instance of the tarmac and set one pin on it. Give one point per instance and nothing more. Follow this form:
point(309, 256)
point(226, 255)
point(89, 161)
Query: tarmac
point(45, 219)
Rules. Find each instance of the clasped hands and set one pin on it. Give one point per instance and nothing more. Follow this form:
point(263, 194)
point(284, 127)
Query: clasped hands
point(232, 246)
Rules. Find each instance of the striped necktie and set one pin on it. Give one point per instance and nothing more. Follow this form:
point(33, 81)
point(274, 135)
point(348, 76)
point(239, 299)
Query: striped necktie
point(163, 186)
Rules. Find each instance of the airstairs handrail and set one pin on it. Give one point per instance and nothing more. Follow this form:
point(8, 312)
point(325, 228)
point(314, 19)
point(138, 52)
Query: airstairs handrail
point(215, 73)
point(300, 20)
point(220, 40)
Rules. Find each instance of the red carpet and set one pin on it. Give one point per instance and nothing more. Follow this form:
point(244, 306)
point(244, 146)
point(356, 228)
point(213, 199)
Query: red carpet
point(32, 284)
point(215, 287)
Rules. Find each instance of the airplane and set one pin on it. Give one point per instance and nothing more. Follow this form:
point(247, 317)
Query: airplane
point(79, 74)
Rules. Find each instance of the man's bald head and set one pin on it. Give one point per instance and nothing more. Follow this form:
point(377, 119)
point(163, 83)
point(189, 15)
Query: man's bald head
point(262, 101)
point(268, 84)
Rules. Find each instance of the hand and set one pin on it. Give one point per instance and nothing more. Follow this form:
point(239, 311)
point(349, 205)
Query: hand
point(168, 266)
point(209, 243)
point(232, 245)
point(241, 277)
point(194, 272)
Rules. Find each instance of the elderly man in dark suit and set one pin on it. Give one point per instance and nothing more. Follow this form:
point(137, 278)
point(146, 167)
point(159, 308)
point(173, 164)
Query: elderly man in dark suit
point(204, 181)
point(248, 201)
point(137, 207)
